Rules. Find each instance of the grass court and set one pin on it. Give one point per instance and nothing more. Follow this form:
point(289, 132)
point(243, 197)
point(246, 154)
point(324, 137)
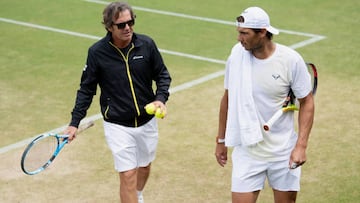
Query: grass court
point(44, 48)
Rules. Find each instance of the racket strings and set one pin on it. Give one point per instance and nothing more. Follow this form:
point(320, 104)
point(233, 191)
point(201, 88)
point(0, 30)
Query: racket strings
point(39, 153)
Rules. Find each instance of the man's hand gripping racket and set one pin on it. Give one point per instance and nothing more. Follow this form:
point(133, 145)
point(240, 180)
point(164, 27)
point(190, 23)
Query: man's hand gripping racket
point(42, 151)
point(289, 103)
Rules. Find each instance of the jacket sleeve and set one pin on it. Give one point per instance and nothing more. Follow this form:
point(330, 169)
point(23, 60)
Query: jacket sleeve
point(86, 91)
point(161, 76)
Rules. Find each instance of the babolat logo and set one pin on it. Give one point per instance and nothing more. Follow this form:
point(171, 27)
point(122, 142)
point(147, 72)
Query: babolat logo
point(138, 57)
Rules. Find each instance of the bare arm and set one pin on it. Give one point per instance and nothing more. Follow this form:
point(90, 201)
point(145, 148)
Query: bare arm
point(223, 115)
point(221, 149)
point(305, 121)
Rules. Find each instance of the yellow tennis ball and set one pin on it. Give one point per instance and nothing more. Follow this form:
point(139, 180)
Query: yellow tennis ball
point(150, 109)
point(159, 113)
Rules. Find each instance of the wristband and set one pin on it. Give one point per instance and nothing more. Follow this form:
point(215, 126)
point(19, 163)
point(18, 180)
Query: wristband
point(220, 140)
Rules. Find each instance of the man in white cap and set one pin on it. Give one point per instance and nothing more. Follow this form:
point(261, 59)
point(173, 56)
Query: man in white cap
point(259, 75)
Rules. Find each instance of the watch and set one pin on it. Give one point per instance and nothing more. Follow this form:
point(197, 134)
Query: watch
point(220, 140)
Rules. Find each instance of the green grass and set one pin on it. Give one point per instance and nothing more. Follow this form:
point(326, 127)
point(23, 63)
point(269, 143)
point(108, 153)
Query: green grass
point(40, 72)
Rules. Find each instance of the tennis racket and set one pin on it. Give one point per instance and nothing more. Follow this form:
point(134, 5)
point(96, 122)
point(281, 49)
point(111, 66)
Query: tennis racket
point(289, 103)
point(42, 151)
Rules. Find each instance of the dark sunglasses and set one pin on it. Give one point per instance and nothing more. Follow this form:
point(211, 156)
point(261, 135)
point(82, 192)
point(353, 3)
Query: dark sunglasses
point(123, 25)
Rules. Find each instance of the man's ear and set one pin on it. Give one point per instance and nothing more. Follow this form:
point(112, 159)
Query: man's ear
point(263, 32)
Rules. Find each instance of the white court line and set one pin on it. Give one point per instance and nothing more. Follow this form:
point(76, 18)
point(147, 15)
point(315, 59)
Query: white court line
point(313, 39)
point(77, 34)
point(48, 28)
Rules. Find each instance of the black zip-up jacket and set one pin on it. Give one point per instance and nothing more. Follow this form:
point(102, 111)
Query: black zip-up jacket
point(125, 78)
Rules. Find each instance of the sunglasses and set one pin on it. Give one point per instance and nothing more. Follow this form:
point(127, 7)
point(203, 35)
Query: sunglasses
point(123, 25)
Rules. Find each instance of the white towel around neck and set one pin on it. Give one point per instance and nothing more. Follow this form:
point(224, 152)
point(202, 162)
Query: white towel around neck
point(243, 125)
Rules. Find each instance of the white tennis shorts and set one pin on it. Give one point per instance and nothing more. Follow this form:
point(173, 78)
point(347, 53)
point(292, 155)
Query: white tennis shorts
point(249, 174)
point(132, 147)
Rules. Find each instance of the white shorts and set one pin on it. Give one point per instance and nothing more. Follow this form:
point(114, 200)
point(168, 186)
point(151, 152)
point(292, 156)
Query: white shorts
point(132, 147)
point(249, 174)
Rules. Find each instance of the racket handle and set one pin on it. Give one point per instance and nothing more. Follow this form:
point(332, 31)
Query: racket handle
point(85, 126)
point(272, 120)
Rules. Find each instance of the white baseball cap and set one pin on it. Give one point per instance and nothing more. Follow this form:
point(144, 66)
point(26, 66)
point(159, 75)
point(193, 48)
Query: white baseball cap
point(257, 18)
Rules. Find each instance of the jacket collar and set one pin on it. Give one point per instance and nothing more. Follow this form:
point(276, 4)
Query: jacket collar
point(135, 39)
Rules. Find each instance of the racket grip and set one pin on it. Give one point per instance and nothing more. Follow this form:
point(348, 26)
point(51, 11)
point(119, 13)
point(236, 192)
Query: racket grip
point(272, 120)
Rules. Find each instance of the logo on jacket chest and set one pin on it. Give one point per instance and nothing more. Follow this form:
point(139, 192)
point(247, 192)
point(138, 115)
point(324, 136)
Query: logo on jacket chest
point(137, 57)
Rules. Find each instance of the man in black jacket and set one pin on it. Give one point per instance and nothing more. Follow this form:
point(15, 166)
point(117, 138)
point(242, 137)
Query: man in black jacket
point(124, 65)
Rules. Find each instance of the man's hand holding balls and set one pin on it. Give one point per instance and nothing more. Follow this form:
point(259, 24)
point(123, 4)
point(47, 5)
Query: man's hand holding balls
point(157, 108)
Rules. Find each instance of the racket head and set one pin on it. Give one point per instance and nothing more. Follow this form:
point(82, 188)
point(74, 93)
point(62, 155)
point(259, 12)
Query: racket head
point(290, 100)
point(314, 76)
point(39, 154)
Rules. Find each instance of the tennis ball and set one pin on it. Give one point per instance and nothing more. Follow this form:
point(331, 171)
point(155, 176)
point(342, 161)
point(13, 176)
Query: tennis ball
point(150, 109)
point(159, 113)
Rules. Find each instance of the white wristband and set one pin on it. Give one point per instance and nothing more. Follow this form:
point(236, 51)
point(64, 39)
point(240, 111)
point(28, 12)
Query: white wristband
point(220, 141)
